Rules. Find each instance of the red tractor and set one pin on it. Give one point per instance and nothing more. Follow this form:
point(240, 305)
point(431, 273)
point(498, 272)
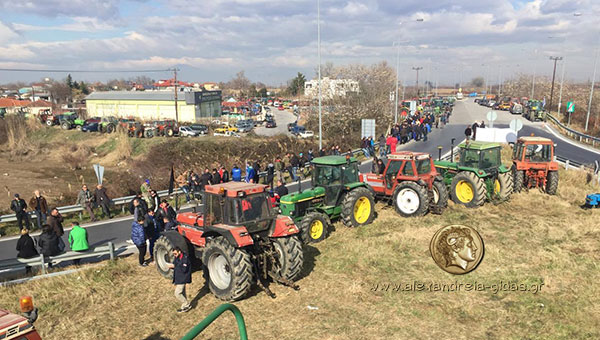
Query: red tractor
point(240, 239)
point(19, 327)
point(534, 165)
point(411, 180)
point(166, 128)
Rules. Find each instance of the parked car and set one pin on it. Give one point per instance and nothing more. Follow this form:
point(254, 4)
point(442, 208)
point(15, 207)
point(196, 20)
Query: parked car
point(244, 126)
point(226, 128)
point(92, 126)
point(186, 131)
point(306, 134)
point(200, 128)
point(298, 129)
point(291, 126)
point(271, 123)
point(226, 134)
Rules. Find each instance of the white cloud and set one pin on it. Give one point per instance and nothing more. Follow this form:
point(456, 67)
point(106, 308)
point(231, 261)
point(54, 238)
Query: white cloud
point(78, 24)
point(6, 33)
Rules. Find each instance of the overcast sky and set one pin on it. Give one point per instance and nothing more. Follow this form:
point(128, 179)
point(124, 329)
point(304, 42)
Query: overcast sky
point(272, 40)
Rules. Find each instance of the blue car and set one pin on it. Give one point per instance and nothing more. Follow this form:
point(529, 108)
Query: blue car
point(90, 127)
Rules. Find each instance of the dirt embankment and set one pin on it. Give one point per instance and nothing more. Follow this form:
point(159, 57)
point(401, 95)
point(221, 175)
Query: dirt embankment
point(57, 162)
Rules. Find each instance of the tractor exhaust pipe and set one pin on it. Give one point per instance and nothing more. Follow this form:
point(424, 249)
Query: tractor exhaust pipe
point(452, 149)
point(299, 184)
point(439, 152)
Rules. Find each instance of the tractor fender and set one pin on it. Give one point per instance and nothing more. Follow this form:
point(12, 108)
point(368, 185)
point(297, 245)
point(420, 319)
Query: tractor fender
point(179, 241)
point(236, 236)
point(352, 186)
point(438, 178)
point(283, 226)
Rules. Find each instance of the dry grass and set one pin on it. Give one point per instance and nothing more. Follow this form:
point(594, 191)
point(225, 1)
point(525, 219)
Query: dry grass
point(17, 130)
point(532, 239)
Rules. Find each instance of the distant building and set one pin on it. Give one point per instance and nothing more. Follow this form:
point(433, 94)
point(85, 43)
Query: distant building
point(330, 88)
point(193, 106)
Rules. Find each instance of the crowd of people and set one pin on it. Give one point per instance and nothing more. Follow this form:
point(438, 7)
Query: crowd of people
point(471, 130)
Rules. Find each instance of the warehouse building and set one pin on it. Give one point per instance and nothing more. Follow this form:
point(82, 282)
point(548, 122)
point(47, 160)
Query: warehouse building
point(193, 106)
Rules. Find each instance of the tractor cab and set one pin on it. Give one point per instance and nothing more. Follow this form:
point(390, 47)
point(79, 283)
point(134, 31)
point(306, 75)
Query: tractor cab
point(533, 150)
point(482, 156)
point(534, 164)
point(332, 173)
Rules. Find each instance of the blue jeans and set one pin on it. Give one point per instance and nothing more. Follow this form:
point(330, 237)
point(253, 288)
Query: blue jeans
point(40, 218)
point(186, 191)
point(294, 172)
point(366, 152)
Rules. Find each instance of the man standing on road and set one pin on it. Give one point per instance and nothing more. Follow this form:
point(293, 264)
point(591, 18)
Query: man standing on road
point(86, 200)
point(39, 207)
point(224, 174)
point(138, 236)
point(101, 199)
point(182, 275)
point(474, 128)
point(216, 177)
point(182, 182)
point(55, 221)
point(236, 174)
point(19, 206)
point(78, 240)
point(26, 248)
point(279, 166)
point(152, 232)
point(468, 132)
point(205, 179)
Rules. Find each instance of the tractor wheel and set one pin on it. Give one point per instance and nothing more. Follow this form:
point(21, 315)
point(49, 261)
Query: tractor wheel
point(163, 251)
point(78, 127)
point(291, 256)
point(110, 128)
point(148, 134)
point(314, 227)
point(440, 196)
point(358, 207)
point(169, 132)
point(65, 126)
point(504, 185)
point(227, 270)
point(518, 180)
point(130, 133)
point(410, 199)
point(139, 133)
point(49, 121)
point(552, 183)
point(468, 189)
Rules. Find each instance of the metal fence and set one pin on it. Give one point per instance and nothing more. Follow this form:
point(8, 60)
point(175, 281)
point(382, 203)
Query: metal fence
point(582, 137)
point(41, 261)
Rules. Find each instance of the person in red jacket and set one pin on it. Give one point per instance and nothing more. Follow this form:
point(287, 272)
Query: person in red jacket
point(391, 142)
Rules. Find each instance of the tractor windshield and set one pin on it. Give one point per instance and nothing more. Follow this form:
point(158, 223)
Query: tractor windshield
point(324, 176)
point(250, 208)
point(469, 158)
point(490, 158)
point(423, 166)
point(350, 173)
point(538, 153)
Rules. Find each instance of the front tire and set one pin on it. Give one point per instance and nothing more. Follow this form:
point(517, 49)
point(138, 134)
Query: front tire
point(358, 207)
point(291, 256)
point(440, 197)
point(110, 128)
point(49, 121)
point(411, 199)
point(227, 270)
point(468, 189)
point(169, 132)
point(163, 254)
point(78, 127)
point(552, 182)
point(506, 185)
point(518, 180)
point(314, 227)
point(65, 125)
point(148, 134)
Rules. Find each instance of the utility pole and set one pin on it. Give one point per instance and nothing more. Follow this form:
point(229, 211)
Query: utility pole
point(562, 80)
point(417, 69)
point(533, 77)
point(587, 119)
point(553, 76)
point(175, 86)
point(396, 93)
point(319, 53)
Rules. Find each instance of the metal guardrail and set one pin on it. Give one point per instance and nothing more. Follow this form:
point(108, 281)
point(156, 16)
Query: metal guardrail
point(122, 201)
point(582, 137)
point(194, 332)
point(108, 249)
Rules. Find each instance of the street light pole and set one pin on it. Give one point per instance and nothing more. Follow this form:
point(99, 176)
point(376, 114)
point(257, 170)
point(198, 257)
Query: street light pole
point(417, 69)
point(587, 119)
point(319, 53)
point(562, 80)
point(553, 76)
point(533, 77)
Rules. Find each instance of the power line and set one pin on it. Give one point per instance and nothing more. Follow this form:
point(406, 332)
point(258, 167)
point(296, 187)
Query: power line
point(82, 71)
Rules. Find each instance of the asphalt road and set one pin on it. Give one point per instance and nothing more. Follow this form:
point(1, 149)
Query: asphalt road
point(466, 112)
point(282, 118)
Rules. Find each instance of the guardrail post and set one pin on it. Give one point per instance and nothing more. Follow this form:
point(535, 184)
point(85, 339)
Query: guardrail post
point(111, 250)
point(43, 264)
point(567, 164)
point(80, 216)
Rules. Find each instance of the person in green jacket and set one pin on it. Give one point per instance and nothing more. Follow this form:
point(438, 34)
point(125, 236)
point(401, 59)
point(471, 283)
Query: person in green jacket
point(78, 240)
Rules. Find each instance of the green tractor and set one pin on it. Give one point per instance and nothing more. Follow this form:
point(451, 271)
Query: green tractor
point(478, 176)
point(535, 111)
point(336, 192)
point(70, 120)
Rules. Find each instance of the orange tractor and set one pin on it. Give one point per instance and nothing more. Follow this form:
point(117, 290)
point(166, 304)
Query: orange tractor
point(240, 239)
point(534, 165)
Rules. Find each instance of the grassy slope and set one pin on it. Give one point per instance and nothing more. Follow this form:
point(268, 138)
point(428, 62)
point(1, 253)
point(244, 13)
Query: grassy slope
point(533, 238)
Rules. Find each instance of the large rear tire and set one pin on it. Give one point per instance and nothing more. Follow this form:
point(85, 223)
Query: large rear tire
point(506, 185)
point(410, 199)
point(163, 254)
point(78, 127)
point(552, 182)
point(291, 256)
point(518, 179)
point(169, 131)
point(440, 197)
point(148, 134)
point(65, 126)
point(49, 121)
point(314, 227)
point(468, 189)
point(358, 207)
point(110, 128)
point(227, 270)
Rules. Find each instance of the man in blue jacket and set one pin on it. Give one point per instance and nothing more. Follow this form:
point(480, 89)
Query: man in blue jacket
point(182, 275)
point(236, 174)
point(138, 236)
